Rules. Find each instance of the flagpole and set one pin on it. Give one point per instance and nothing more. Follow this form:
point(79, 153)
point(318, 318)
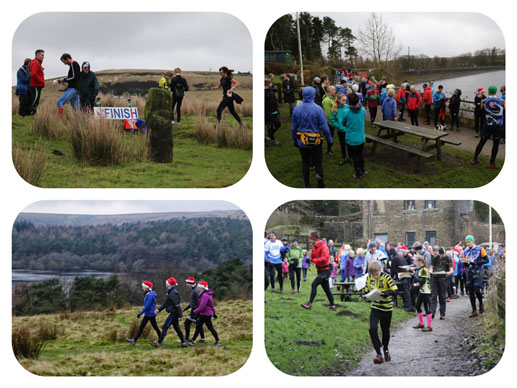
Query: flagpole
point(300, 47)
point(490, 224)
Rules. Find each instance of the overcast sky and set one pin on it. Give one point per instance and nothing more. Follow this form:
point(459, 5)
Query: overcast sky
point(442, 34)
point(191, 41)
point(126, 207)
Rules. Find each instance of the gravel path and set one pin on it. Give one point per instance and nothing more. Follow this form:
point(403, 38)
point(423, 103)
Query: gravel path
point(415, 353)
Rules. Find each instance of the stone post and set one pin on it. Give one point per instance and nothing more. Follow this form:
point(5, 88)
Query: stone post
point(158, 113)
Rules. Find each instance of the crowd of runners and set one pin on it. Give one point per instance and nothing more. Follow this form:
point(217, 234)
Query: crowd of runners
point(426, 277)
point(327, 108)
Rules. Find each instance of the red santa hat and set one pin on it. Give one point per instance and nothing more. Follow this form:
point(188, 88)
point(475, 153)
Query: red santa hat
point(170, 282)
point(147, 284)
point(203, 284)
point(190, 280)
point(481, 90)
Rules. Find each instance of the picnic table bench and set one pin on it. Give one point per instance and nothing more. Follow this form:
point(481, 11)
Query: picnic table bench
point(342, 290)
point(430, 139)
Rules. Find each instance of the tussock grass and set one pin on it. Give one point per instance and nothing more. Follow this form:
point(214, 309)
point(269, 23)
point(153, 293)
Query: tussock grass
point(100, 142)
point(15, 105)
point(94, 343)
point(29, 164)
point(223, 135)
point(26, 343)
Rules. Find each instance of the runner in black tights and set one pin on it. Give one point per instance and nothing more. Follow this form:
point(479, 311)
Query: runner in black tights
point(228, 84)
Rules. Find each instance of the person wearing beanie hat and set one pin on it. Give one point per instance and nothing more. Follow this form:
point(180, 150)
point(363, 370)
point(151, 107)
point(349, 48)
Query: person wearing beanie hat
point(493, 124)
point(474, 258)
point(479, 114)
point(205, 310)
point(148, 311)
point(321, 258)
point(454, 109)
point(320, 92)
point(441, 268)
point(194, 303)
point(375, 254)
point(172, 306)
point(89, 87)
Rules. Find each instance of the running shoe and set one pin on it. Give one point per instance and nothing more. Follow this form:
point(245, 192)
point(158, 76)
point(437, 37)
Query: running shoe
point(155, 344)
point(481, 308)
point(190, 342)
point(333, 308)
point(131, 341)
point(492, 165)
point(442, 317)
point(419, 326)
point(218, 344)
point(474, 314)
point(183, 344)
point(307, 306)
point(378, 359)
point(387, 355)
point(200, 341)
point(427, 328)
point(474, 161)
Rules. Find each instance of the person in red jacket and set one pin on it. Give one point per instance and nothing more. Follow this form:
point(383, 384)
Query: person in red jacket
point(37, 80)
point(321, 258)
point(414, 101)
point(428, 101)
point(401, 100)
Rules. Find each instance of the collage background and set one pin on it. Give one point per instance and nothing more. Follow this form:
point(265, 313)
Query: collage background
point(258, 193)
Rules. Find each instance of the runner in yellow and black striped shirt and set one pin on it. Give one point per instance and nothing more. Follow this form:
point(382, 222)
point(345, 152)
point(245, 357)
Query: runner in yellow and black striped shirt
point(381, 311)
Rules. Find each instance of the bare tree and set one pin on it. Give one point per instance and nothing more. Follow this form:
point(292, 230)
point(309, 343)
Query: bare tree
point(378, 41)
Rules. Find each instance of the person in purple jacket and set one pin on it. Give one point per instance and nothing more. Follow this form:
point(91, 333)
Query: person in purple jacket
point(206, 311)
point(148, 311)
point(306, 263)
point(359, 263)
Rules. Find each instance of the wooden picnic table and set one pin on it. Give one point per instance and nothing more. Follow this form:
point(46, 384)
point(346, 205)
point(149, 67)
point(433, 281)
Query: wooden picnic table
point(394, 129)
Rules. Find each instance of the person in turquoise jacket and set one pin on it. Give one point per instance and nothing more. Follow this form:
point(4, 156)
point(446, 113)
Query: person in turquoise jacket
point(336, 118)
point(353, 120)
point(439, 106)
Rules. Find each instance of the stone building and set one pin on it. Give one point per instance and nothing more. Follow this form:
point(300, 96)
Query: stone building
point(407, 221)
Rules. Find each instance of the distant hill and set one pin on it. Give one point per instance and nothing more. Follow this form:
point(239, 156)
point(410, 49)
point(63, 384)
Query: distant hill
point(47, 219)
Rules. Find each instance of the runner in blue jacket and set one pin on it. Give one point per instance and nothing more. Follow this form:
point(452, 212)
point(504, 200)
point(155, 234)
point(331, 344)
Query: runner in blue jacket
point(148, 311)
point(309, 127)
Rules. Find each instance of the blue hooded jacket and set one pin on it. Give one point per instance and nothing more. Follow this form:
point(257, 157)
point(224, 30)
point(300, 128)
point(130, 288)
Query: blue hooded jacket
point(149, 304)
point(309, 117)
point(389, 108)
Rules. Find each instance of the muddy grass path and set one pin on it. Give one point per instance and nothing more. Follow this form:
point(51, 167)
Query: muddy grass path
point(415, 353)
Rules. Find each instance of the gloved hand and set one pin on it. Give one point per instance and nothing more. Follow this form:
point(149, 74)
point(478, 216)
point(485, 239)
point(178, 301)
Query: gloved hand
point(215, 316)
point(138, 315)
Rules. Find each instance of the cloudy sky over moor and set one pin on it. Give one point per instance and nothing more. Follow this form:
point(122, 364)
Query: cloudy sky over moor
point(444, 34)
point(126, 207)
point(191, 41)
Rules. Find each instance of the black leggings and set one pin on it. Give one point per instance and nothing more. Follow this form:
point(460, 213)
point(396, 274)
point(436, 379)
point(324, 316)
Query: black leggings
point(278, 267)
point(312, 156)
point(172, 319)
point(481, 144)
point(436, 116)
point(373, 113)
point(462, 281)
point(439, 286)
point(273, 123)
point(142, 325)
point(292, 272)
point(227, 102)
point(407, 286)
point(423, 299)
point(356, 154)
point(304, 270)
point(455, 117)
point(414, 117)
point(474, 292)
point(188, 323)
point(478, 120)
point(384, 318)
point(428, 113)
point(342, 142)
point(205, 320)
point(323, 279)
point(176, 101)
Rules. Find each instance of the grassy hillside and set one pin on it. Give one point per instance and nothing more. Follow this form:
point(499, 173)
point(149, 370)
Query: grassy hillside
point(316, 342)
point(94, 343)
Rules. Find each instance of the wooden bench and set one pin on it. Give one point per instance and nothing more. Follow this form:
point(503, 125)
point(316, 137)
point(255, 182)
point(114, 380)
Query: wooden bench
point(411, 150)
point(450, 142)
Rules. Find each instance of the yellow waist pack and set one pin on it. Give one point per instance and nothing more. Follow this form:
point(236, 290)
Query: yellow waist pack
point(310, 138)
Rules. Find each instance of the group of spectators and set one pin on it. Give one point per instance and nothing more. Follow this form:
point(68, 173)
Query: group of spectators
point(201, 307)
point(425, 276)
point(327, 109)
point(81, 91)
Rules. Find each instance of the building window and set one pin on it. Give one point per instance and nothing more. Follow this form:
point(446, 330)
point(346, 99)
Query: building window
point(382, 237)
point(410, 238)
point(409, 205)
point(429, 205)
point(430, 237)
